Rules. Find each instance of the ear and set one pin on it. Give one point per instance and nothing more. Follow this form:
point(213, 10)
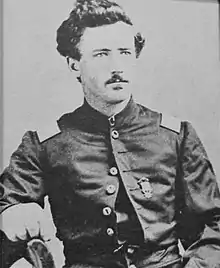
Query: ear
point(73, 64)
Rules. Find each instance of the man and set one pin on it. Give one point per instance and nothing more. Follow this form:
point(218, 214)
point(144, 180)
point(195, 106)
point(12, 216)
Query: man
point(124, 183)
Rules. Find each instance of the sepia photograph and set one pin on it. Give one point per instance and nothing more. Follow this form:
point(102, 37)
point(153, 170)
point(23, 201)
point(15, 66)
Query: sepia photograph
point(110, 134)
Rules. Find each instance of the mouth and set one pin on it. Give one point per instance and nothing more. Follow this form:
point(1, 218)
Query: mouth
point(119, 82)
point(117, 86)
point(116, 81)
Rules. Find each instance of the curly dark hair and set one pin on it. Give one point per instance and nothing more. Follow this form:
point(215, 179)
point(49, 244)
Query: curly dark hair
point(90, 13)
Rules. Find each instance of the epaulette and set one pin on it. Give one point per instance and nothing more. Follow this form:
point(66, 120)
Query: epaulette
point(48, 132)
point(170, 122)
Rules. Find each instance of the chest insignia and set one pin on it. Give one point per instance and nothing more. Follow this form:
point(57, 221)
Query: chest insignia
point(145, 187)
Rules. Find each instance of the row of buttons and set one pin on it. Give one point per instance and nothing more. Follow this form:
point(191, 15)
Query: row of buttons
point(114, 171)
point(110, 190)
point(115, 134)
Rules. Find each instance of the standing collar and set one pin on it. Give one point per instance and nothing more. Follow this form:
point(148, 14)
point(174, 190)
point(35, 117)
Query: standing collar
point(94, 118)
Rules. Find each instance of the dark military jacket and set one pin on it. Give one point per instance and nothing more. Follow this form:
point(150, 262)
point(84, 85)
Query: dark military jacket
point(123, 190)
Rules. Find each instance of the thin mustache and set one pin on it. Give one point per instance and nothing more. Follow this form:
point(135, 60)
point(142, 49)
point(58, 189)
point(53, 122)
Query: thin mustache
point(116, 79)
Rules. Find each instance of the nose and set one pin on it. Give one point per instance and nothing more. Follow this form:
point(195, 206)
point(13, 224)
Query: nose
point(116, 65)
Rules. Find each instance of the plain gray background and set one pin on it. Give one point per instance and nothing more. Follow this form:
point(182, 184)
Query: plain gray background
point(179, 69)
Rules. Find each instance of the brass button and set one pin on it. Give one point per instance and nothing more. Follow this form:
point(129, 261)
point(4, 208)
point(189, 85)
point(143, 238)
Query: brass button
point(106, 211)
point(110, 232)
point(112, 121)
point(130, 250)
point(111, 189)
point(113, 171)
point(115, 134)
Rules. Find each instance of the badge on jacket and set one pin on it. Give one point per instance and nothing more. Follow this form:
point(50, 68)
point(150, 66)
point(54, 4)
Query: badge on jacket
point(146, 187)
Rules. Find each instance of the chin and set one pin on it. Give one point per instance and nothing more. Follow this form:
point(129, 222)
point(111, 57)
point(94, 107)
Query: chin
point(118, 94)
point(115, 101)
point(119, 98)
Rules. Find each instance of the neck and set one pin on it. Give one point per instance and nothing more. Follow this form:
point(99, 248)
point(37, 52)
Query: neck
point(108, 109)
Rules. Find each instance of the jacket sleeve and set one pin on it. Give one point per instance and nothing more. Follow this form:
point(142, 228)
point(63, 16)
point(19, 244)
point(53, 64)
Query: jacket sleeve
point(22, 181)
point(200, 212)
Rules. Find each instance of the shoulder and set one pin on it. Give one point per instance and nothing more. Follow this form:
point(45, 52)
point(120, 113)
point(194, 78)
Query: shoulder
point(55, 127)
point(164, 120)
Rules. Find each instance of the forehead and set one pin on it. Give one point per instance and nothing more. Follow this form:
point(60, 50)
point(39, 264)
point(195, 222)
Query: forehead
point(113, 36)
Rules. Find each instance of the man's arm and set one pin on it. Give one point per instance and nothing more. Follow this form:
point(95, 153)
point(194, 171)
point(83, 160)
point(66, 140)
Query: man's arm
point(22, 192)
point(200, 204)
point(22, 181)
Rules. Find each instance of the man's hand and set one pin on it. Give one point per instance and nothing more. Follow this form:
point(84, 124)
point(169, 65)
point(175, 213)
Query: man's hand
point(25, 221)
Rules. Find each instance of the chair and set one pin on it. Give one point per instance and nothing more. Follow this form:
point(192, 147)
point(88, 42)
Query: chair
point(35, 252)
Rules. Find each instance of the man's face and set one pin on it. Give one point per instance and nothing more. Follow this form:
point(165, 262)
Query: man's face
point(107, 63)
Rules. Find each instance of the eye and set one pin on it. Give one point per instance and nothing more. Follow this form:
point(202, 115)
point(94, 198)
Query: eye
point(125, 52)
point(100, 54)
